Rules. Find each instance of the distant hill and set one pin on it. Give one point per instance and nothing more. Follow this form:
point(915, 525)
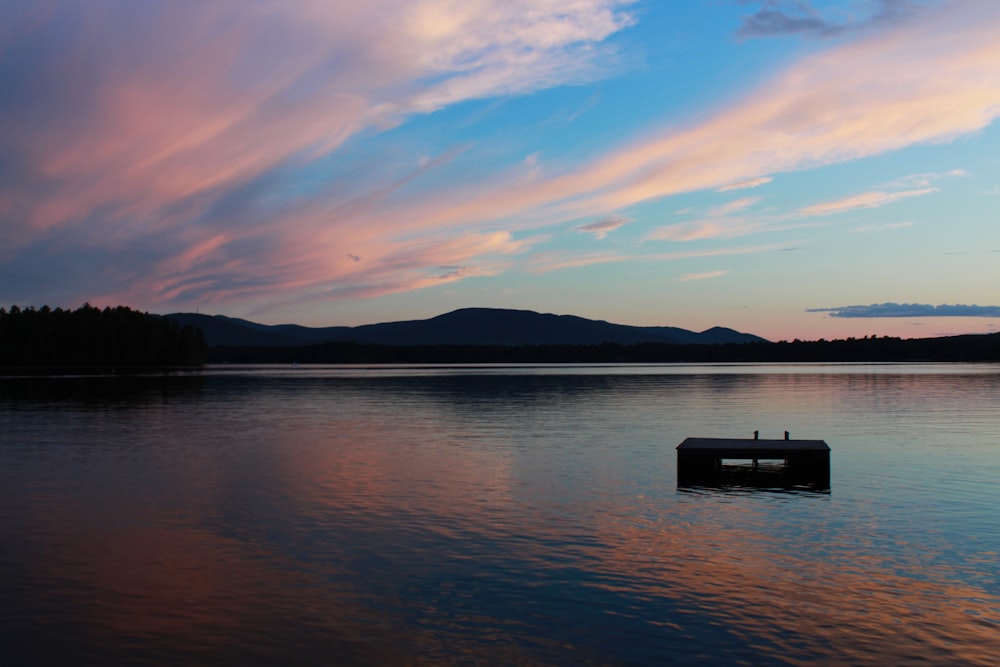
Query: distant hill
point(467, 326)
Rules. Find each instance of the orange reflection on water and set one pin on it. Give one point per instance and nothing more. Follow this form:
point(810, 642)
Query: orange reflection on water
point(375, 464)
point(838, 602)
point(352, 525)
point(173, 589)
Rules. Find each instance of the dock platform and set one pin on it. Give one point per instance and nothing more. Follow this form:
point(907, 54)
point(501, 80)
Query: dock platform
point(745, 460)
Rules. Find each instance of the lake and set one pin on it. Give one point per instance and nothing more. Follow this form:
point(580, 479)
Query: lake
point(496, 515)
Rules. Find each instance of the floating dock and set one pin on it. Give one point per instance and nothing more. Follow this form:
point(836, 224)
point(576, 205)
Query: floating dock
point(753, 461)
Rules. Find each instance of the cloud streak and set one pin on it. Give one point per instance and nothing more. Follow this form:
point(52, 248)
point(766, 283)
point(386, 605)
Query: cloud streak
point(877, 310)
point(938, 73)
point(941, 73)
point(172, 138)
point(174, 153)
point(873, 199)
point(602, 228)
point(745, 185)
point(787, 18)
point(555, 261)
point(779, 18)
point(688, 277)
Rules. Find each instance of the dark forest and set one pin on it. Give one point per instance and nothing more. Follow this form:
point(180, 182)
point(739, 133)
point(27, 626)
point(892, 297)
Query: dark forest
point(91, 337)
point(870, 349)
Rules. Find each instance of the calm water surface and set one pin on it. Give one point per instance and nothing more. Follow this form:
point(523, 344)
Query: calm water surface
point(496, 515)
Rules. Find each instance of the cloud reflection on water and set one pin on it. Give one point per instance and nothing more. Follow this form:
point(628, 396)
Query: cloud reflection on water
point(453, 520)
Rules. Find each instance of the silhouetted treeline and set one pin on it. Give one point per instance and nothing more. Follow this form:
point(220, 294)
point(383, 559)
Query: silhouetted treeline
point(88, 336)
point(955, 348)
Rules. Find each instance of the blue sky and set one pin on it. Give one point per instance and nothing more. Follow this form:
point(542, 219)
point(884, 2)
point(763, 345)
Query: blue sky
point(792, 169)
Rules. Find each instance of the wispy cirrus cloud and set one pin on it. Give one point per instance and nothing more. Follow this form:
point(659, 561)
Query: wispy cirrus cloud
point(722, 221)
point(745, 184)
point(940, 71)
point(732, 219)
point(888, 226)
point(701, 229)
point(162, 150)
point(909, 310)
point(543, 262)
point(734, 206)
point(170, 140)
point(707, 275)
point(873, 199)
point(927, 179)
point(729, 220)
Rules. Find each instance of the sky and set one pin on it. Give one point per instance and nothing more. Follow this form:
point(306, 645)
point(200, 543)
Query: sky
point(786, 168)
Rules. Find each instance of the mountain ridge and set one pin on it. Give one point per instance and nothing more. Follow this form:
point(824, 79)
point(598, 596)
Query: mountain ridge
point(465, 326)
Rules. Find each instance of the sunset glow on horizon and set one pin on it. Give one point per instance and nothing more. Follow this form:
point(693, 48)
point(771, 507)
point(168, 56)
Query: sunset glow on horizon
point(785, 168)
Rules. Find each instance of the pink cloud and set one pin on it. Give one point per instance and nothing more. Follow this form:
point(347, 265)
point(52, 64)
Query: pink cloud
point(163, 129)
point(389, 267)
point(722, 223)
point(734, 206)
point(555, 261)
point(872, 199)
point(925, 81)
point(162, 102)
point(930, 79)
point(697, 230)
point(161, 134)
point(889, 226)
point(746, 184)
point(707, 275)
